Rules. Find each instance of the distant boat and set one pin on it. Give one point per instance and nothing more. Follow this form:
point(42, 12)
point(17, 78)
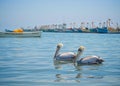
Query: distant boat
point(99, 30)
point(102, 30)
point(21, 34)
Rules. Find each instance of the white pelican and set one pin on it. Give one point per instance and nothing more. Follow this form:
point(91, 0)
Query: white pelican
point(67, 56)
point(89, 59)
point(70, 56)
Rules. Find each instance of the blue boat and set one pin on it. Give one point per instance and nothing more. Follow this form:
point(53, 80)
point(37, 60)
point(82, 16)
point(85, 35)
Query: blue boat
point(102, 30)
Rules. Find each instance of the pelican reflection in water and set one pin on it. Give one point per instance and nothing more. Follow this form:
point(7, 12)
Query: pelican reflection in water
point(72, 57)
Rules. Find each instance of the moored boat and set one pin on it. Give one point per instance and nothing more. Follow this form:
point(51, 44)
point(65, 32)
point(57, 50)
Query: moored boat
point(21, 34)
point(102, 30)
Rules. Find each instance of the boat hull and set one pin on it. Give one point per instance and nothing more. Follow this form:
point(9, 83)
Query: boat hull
point(23, 34)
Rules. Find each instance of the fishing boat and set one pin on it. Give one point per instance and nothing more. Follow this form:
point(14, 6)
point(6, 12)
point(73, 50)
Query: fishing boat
point(21, 34)
point(102, 30)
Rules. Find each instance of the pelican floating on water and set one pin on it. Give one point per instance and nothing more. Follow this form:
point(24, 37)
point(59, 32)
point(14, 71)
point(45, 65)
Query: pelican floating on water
point(70, 56)
point(67, 56)
point(89, 59)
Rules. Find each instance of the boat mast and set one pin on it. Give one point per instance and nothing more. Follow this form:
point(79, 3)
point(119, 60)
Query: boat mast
point(108, 22)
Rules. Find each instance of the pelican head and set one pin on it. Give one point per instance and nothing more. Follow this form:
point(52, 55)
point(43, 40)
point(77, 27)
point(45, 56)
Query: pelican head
point(79, 53)
point(59, 45)
point(81, 49)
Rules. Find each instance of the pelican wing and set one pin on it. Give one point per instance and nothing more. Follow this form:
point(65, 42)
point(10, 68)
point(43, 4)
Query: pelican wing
point(90, 60)
point(68, 56)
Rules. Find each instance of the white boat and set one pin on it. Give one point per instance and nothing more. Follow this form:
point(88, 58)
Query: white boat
point(21, 34)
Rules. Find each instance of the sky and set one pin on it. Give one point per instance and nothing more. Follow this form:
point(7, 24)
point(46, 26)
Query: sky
point(30, 13)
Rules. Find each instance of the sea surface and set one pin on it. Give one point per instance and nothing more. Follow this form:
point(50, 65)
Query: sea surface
point(29, 61)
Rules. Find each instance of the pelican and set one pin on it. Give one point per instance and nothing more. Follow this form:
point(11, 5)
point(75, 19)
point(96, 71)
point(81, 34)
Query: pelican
point(70, 56)
point(67, 56)
point(93, 59)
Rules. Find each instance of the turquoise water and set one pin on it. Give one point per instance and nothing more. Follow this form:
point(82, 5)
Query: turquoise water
point(29, 61)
